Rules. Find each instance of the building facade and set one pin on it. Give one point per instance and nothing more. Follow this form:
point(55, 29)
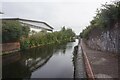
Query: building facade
point(33, 24)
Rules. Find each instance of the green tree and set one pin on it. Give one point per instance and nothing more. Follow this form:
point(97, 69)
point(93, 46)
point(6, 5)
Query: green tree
point(105, 18)
point(13, 31)
point(45, 38)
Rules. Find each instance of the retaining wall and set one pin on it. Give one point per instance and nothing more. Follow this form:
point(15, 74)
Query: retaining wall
point(8, 47)
point(107, 40)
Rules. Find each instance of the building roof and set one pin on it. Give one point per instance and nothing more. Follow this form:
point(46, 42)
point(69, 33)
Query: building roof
point(28, 20)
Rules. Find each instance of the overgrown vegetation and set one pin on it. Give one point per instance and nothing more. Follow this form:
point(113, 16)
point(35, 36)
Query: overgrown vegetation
point(12, 31)
point(43, 38)
point(105, 18)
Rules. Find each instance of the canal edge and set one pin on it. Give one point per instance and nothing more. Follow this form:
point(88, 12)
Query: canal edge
point(80, 71)
point(88, 68)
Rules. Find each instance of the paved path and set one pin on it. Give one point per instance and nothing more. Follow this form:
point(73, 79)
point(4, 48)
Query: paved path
point(103, 65)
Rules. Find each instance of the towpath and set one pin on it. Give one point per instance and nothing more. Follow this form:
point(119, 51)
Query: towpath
point(100, 65)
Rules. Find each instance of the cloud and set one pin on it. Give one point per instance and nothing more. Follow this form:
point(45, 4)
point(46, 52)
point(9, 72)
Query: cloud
point(74, 14)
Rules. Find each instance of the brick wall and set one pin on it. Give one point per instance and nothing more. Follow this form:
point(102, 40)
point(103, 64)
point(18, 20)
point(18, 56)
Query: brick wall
point(6, 47)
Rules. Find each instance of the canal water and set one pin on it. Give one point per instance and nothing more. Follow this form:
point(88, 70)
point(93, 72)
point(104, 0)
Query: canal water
point(53, 61)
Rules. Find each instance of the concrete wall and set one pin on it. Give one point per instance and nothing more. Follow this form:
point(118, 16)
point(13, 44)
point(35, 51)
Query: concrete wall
point(107, 40)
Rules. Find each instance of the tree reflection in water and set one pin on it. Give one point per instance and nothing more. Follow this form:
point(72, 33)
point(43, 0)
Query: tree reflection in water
point(22, 64)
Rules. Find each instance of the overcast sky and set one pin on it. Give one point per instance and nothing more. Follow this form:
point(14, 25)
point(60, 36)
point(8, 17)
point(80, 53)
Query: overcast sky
point(75, 14)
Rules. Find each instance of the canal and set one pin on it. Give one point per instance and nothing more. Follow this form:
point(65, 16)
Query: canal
point(53, 61)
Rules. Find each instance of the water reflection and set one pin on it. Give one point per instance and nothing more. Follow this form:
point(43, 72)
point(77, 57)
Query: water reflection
point(30, 63)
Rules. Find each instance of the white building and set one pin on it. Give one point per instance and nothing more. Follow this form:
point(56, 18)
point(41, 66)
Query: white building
point(33, 24)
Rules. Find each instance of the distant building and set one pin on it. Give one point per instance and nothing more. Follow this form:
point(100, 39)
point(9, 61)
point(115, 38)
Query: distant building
point(33, 24)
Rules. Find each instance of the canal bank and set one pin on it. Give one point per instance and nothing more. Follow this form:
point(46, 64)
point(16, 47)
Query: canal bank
point(42, 62)
point(79, 66)
point(99, 65)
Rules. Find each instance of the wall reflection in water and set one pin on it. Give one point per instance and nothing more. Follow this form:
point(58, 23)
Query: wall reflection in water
point(22, 64)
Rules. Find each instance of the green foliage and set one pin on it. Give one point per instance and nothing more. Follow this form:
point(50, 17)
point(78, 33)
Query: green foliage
point(105, 18)
point(85, 32)
point(25, 31)
point(24, 44)
point(108, 15)
point(13, 31)
point(43, 38)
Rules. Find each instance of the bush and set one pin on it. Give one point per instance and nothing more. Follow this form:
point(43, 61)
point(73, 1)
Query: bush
point(12, 31)
point(43, 38)
point(105, 18)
